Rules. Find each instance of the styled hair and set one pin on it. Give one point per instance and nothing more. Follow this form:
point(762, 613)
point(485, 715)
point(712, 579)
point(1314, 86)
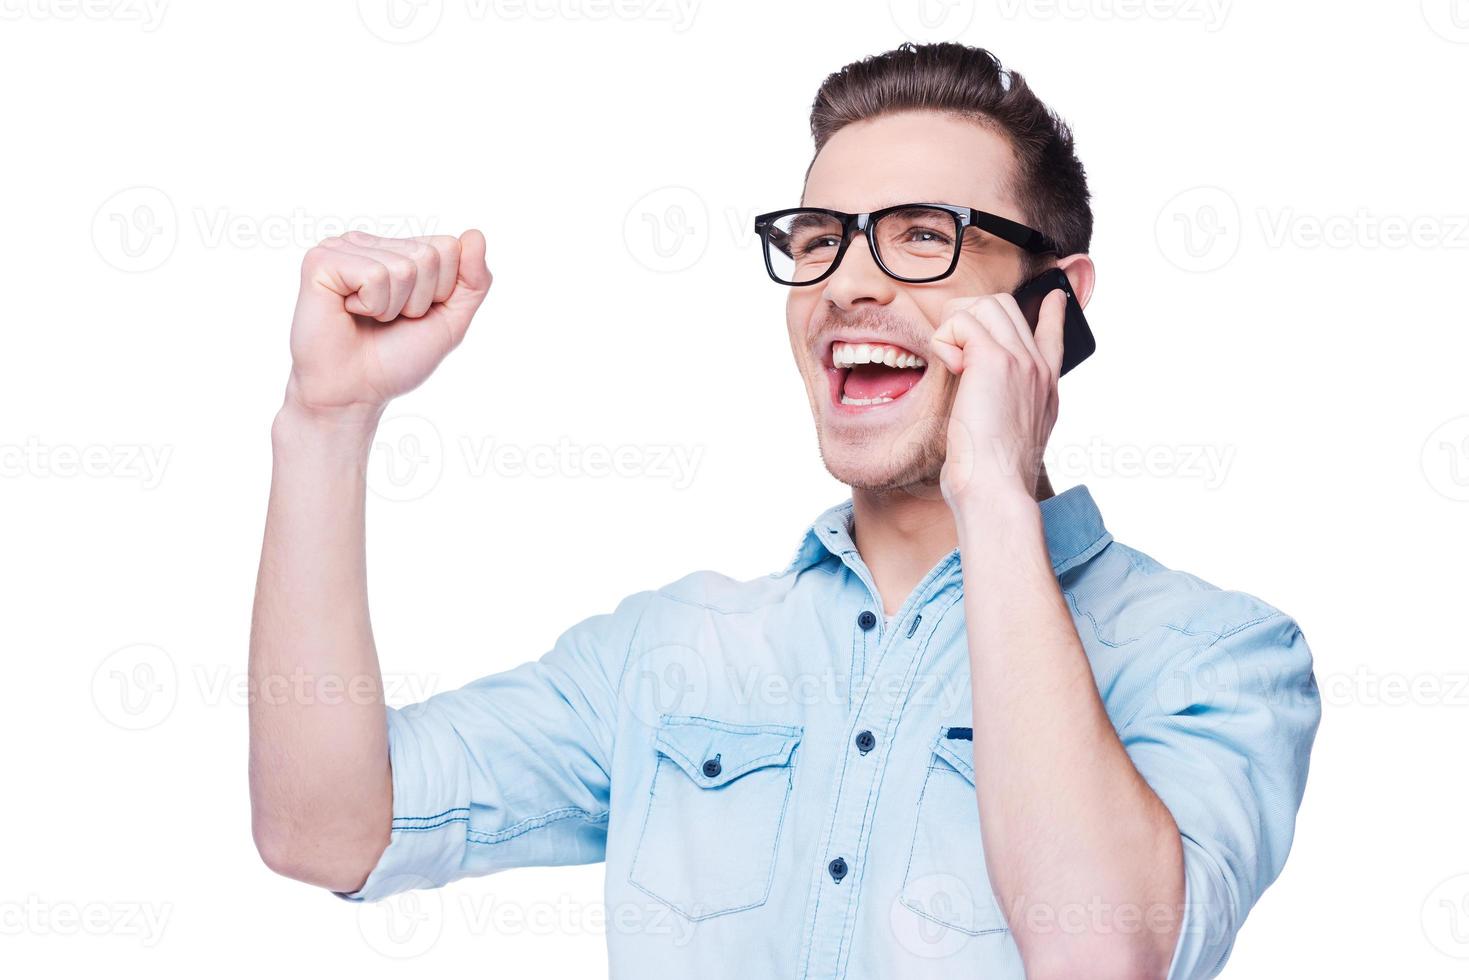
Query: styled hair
point(1049, 183)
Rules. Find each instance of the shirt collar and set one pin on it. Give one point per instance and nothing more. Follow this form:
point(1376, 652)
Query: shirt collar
point(1074, 532)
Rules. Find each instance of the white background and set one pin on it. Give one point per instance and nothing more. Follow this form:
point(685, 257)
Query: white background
point(1277, 405)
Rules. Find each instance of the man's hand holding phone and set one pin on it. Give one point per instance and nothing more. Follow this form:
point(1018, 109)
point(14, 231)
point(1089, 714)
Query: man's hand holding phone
point(1006, 400)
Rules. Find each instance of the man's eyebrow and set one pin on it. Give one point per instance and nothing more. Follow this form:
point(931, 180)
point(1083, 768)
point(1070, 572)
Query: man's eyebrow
point(809, 220)
point(896, 202)
point(912, 200)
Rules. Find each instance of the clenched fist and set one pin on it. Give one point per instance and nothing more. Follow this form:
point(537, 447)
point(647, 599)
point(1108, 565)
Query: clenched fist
point(375, 316)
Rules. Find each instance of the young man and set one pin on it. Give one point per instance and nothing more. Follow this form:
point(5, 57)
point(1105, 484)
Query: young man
point(963, 733)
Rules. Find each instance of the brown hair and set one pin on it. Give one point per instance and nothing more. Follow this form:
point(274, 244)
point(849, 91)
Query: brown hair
point(1049, 182)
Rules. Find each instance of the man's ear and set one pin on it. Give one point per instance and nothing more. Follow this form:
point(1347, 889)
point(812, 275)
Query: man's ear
point(1082, 273)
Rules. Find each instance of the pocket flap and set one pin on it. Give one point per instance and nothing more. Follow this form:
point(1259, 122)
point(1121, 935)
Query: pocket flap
point(956, 747)
point(714, 753)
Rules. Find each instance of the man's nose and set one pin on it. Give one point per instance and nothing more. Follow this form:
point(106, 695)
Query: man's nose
point(859, 279)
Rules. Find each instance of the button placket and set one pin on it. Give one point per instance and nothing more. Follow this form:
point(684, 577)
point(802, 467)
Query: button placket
point(867, 638)
point(899, 651)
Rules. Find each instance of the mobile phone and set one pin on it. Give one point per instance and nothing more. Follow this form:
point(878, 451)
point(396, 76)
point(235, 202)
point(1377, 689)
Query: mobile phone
point(1076, 336)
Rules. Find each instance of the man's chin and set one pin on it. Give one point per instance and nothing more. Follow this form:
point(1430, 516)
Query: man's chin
point(917, 475)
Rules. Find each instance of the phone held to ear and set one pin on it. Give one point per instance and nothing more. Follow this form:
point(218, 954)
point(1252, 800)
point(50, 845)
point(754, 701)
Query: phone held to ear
point(1076, 336)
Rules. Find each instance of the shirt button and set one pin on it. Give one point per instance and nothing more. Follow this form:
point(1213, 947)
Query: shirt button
point(837, 869)
point(867, 620)
point(712, 767)
point(865, 742)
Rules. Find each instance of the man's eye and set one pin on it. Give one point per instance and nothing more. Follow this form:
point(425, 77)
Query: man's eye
point(928, 236)
point(825, 241)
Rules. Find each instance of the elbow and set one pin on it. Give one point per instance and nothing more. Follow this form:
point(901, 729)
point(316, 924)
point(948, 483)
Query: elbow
point(282, 854)
point(313, 862)
point(1112, 962)
point(276, 852)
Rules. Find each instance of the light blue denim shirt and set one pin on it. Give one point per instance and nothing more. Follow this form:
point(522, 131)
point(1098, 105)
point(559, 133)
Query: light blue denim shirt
point(781, 782)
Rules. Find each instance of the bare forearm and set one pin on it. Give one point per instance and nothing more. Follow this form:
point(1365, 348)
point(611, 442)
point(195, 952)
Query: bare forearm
point(1084, 857)
point(320, 784)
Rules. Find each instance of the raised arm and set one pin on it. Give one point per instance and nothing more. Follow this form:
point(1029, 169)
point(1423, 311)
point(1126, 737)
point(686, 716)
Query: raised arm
point(373, 319)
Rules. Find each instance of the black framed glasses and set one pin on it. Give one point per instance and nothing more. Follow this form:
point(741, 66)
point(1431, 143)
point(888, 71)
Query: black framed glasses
point(913, 243)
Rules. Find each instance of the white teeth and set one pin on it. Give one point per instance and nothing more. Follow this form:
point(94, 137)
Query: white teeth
point(865, 401)
point(846, 355)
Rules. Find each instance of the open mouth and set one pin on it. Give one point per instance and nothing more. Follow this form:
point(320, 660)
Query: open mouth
point(867, 375)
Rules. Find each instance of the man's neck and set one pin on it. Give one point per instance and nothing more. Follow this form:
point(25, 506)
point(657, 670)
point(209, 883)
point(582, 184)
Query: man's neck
point(902, 535)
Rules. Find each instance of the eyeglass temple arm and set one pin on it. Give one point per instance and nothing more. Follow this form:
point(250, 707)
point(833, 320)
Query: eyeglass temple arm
point(1013, 232)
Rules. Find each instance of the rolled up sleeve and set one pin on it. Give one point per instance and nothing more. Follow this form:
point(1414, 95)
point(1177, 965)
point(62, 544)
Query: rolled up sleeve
point(1225, 744)
point(510, 770)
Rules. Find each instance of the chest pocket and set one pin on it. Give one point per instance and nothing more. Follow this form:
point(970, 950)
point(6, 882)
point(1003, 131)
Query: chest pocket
point(715, 810)
point(946, 880)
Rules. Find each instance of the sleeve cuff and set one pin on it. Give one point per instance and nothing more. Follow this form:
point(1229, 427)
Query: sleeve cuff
point(1206, 932)
point(430, 812)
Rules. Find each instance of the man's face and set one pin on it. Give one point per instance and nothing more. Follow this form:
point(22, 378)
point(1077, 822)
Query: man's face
point(915, 157)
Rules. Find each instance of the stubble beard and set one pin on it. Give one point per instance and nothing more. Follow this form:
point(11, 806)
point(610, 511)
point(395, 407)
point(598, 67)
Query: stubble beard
point(907, 462)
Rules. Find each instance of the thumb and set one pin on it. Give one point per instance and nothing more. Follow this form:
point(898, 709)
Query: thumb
point(471, 283)
point(474, 275)
point(950, 355)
